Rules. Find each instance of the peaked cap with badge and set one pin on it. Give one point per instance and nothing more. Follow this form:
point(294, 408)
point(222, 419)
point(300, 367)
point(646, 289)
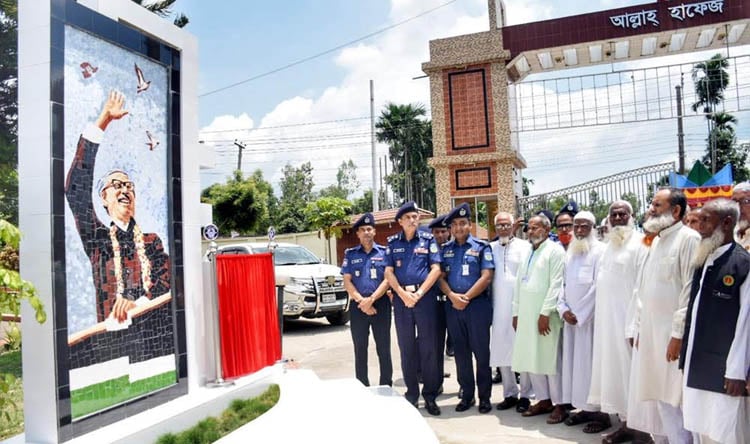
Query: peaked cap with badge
point(408, 207)
point(461, 211)
point(438, 222)
point(365, 219)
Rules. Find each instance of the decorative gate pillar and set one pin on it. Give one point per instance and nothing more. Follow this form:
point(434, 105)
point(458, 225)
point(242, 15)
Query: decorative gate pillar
point(474, 155)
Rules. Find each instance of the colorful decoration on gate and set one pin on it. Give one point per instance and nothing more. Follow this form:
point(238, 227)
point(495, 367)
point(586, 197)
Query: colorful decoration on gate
point(700, 186)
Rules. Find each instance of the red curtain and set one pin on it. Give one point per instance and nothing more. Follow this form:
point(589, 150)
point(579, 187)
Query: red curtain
point(248, 317)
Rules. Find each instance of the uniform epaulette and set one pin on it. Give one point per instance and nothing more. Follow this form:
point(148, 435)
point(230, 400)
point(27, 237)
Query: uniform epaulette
point(393, 237)
point(425, 235)
point(349, 249)
point(481, 242)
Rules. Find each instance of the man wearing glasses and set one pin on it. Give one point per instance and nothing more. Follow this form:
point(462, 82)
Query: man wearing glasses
point(129, 267)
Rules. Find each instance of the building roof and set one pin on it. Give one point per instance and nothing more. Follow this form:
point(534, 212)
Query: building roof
point(387, 216)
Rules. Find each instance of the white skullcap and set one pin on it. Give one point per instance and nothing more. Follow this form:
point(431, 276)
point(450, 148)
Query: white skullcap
point(586, 215)
point(742, 186)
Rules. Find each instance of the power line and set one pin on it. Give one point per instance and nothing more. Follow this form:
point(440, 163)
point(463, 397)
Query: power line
point(328, 51)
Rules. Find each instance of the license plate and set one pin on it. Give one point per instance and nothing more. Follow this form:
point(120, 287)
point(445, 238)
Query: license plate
point(329, 298)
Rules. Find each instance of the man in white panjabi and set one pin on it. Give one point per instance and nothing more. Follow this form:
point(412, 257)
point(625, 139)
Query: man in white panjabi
point(716, 348)
point(741, 195)
point(663, 292)
point(615, 282)
point(508, 252)
point(576, 307)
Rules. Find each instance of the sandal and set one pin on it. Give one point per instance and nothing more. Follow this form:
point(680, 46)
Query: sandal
point(578, 418)
point(597, 426)
point(558, 415)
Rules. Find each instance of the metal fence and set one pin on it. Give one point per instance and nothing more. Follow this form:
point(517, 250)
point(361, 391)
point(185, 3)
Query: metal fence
point(637, 186)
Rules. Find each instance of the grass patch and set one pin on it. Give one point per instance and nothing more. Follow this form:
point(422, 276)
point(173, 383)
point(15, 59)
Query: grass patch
point(11, 363)
point(11, 418)
point(97, 397)
point(239, 413)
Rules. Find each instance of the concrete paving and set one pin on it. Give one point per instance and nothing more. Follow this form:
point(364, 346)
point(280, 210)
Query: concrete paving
point(328, 351)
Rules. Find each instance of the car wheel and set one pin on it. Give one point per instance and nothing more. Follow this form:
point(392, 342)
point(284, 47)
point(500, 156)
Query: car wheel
point(339, 318)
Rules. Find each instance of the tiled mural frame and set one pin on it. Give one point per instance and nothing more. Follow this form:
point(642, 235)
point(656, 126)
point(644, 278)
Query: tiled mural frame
point(69, 12)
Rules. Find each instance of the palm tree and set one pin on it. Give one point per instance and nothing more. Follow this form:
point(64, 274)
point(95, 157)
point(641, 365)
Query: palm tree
point(162, 9)
point(710, 79)
point(409, 137)
point(723, 139)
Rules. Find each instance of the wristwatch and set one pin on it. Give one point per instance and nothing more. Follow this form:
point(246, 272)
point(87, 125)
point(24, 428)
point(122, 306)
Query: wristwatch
point(419, 293)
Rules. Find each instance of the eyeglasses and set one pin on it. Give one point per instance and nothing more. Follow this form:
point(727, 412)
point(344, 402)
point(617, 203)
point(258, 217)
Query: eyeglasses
point(503, 226)
point(120, 184)
point(565, 226)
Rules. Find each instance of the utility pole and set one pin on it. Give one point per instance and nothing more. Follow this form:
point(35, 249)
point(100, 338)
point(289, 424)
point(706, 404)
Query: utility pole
point(241, 146)
point(375, 206)
point(680, 132)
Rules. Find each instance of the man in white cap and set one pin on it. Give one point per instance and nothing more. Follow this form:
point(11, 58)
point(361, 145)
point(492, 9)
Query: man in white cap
point(741, 195)
point(576, 307)
point(508, 252)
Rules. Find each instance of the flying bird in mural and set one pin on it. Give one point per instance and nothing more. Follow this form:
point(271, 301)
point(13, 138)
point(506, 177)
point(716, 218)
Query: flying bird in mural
point(143, 84)
point(152, 142)
point(88, 70)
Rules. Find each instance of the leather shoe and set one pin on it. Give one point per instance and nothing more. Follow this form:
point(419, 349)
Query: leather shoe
point(449, 351)
point(497, 378)
point(432, 408)
point(485, 406)
point(508, 403)
point(540, 408)
point(465, 404)
point(523, 405)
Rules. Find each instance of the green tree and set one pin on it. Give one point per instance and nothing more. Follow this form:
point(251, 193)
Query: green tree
point(325, 214)
point(723, 140)
point(711, 79)
point(409, 137)
point(362, 204)
point(296, 193)
point(632, 198)
point(239, 205)
point(163, 8)
point(346, 182)
point(13, 290)
point(8, 111)
point(598, 207)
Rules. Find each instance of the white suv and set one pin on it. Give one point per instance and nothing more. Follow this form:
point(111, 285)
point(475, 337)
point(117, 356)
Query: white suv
point(312, 289)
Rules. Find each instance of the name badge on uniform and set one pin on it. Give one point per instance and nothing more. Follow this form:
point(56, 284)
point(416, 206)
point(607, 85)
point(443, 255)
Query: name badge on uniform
point(373, 273)
point(465, 270)
point(398, 263)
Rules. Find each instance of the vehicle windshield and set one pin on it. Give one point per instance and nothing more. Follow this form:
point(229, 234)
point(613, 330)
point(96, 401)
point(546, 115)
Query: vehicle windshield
point(291, 255)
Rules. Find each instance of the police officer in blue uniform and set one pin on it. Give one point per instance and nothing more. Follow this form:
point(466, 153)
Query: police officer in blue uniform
point(441, 233)
point(468, 267)
point(412, 269)
point(364, 280)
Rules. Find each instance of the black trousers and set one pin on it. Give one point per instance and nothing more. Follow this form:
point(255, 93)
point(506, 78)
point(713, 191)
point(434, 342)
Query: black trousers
point(360, 325)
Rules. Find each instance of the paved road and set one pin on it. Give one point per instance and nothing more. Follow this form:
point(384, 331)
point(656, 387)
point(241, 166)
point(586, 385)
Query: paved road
point(328, 351)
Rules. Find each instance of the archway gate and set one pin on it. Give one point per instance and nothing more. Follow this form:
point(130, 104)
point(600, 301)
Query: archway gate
point(476, 151)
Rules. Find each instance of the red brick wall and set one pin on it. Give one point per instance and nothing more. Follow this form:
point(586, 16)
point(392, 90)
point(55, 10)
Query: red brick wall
point(473, 180)
point(468, 110)
point(349, 238)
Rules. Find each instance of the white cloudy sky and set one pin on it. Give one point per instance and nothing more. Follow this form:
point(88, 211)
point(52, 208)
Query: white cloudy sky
point(276, 115)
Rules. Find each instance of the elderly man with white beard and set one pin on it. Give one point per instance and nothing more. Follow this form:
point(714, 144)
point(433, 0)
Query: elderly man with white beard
point(615, 282)
point(716, 348)
point(663, 293)
point(576, 307)
point(508, 252)
point(741, 195)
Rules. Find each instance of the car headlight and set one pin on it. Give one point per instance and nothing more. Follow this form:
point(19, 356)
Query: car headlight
point(302, 285)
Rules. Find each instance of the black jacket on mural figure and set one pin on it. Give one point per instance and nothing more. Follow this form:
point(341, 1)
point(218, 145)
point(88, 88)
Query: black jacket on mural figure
point(718, 310)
